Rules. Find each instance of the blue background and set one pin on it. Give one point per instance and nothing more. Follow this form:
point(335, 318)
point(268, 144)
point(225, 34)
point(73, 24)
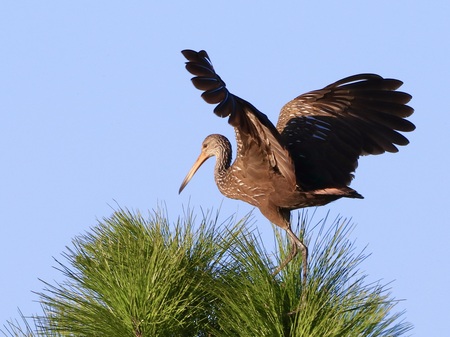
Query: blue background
point(97, 110)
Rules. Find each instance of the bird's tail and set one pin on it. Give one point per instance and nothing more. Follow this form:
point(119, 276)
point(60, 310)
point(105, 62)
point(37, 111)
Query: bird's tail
point(345, 192)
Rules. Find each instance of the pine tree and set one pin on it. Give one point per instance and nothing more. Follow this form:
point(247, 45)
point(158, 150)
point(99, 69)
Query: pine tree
point(132, 276)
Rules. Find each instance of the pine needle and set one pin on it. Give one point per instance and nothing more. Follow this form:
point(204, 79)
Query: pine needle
point(136, 276)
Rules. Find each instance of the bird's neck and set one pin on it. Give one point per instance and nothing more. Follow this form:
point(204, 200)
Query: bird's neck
point(223, 159)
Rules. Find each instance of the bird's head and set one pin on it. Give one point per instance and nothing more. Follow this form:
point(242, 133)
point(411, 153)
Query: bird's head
point(213, 145)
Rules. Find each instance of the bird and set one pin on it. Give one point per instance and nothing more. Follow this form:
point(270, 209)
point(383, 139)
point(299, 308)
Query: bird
point(309, 157)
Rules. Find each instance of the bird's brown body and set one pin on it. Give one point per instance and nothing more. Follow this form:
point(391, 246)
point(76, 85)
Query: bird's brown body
point(309, 157)
point(257, 183)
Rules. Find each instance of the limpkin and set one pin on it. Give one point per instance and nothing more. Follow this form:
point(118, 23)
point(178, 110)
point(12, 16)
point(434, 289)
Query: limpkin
point(309, 158)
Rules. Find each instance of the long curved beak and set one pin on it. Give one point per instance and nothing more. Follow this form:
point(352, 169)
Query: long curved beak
point(200, 160)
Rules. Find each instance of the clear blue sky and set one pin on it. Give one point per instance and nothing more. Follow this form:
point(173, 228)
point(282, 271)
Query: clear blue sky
point(97, 108)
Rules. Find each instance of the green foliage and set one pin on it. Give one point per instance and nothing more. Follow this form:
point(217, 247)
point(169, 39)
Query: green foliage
point(334, 302)
point(131, 276)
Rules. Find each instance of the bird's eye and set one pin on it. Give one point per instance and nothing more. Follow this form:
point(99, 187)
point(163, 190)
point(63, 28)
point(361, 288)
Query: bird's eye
point(204, 146)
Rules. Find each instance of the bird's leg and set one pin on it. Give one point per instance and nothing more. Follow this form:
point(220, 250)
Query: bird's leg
point(293, 252)
point(298, 243)
point(295, 244)
point(282, 218)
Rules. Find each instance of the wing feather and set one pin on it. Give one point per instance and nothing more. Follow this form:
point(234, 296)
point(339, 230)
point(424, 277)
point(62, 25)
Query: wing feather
point(327, 130)
point(256, 136)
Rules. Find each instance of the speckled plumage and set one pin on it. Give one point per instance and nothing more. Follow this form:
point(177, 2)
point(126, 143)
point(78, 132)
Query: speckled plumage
point(309, 158)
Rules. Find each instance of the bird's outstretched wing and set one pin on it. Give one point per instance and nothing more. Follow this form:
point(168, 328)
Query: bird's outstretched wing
point(327, 130)
point(256, 136)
